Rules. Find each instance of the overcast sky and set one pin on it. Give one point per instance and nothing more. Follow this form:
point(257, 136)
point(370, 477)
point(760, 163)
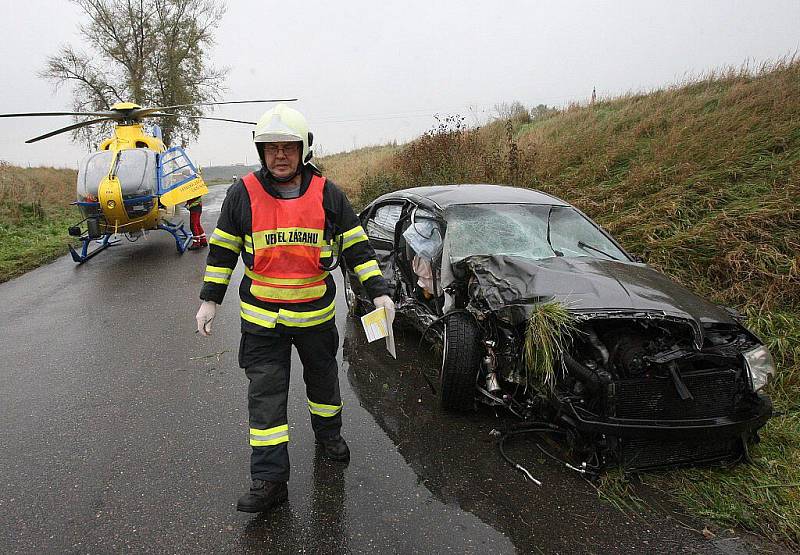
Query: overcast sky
point(371, 72)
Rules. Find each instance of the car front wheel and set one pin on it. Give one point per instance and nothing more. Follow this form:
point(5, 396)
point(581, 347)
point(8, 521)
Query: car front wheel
point(461, 359)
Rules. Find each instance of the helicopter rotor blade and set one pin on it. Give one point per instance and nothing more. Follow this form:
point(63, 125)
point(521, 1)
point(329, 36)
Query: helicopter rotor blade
point(162, 115)
point(67, 128)
point(159, 108)
point(29, 114)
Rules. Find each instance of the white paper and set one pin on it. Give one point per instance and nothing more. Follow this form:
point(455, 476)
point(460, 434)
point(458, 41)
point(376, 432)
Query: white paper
point(376, 326)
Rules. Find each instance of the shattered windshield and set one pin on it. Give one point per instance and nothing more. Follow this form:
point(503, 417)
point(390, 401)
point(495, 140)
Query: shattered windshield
point(533, 231)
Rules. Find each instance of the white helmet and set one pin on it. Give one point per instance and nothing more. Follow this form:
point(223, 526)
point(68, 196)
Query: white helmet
point(283, 124)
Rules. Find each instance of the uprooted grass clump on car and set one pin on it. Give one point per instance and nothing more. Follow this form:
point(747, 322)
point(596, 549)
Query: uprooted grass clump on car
point(703, 180)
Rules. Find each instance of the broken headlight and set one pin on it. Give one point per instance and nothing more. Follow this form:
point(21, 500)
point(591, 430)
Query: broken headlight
point(760, 365)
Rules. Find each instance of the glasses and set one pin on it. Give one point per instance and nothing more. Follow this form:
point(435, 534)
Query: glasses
point(287, 150)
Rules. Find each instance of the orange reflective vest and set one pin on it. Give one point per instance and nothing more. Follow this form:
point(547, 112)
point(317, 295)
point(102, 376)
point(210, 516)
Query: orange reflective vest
point(287, 239)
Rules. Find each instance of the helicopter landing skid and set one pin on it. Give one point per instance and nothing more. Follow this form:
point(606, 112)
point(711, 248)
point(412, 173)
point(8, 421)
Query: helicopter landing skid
point(85, 255)
point(182, 238)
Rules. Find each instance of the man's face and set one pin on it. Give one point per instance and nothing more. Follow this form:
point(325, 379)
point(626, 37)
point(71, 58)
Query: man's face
point(282, 158)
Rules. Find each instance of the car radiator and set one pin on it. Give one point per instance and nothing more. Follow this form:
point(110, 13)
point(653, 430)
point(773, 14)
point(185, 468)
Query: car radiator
point(643, 453)
point(713, 395)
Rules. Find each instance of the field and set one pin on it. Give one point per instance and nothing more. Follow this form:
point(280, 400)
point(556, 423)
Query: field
point(703, 180)
point(34, 216)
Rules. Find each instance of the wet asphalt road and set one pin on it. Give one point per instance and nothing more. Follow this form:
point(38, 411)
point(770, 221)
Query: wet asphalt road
point(123, 431)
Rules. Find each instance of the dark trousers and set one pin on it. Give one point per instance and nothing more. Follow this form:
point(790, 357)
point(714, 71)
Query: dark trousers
point(267, 367)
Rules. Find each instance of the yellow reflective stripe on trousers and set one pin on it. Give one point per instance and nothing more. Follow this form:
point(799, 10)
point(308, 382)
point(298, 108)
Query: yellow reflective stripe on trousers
point(218, 274)
point(324, 410)
point(353, 236)
point(284, 281)
point(269, 319)
point(226, 240)
point(367, 270)
point(270, 436)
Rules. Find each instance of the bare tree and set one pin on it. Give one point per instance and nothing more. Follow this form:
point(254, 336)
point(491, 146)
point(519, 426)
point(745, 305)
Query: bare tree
point(151, 52)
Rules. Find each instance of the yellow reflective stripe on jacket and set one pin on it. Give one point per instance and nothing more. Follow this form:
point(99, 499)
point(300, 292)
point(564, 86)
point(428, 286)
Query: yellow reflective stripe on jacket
point(270, 436)
point(284, 281)
point(248, 244)
point(367, 270)
point(226, 240)
point(296, 294)
point(326, 251)
point(353, 236)
point(269, 319)
point(284, 236)
point(324, 410)
point(330, 249)
point(218, 274)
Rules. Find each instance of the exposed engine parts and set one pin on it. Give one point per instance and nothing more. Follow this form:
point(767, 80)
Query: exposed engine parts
point(614, 370)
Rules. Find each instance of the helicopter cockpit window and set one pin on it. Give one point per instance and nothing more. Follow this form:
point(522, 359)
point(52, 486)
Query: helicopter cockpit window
point(92, 170)
point(137, 173)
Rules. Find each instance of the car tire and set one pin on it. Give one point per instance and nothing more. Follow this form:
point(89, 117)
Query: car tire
point(461, 359)
point(353, 305)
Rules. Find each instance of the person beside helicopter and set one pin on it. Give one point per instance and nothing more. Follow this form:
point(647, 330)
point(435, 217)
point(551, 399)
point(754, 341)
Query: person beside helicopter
point(288, 223)
point(195, 208)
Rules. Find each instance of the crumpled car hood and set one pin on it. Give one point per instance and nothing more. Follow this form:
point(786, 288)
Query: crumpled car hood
point(583, 284)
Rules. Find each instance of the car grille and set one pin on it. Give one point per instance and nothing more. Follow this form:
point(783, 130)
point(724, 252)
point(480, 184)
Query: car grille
point(640, 453)
point(713, 393)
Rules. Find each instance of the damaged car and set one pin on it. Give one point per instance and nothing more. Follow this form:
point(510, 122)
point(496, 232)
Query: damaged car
point(643, 373)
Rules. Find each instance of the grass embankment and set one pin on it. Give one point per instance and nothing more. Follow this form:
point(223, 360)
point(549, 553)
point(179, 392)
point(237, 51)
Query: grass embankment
point(34, 216)
point(349, 168)
point(703, 179)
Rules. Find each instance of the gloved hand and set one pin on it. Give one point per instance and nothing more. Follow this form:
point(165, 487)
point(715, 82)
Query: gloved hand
point(386, 302)
point(204, 317)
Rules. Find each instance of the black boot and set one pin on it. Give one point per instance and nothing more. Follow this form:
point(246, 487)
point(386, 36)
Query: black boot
point(263, 496)
point(335, 448)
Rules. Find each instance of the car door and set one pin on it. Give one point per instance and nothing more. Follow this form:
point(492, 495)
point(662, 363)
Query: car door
point(379, 223)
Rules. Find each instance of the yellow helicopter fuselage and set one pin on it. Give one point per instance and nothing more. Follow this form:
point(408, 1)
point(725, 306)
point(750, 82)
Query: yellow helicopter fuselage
point(110, 191)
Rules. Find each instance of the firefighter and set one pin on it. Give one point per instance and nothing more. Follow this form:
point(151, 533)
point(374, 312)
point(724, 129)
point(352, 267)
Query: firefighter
point(287, 222)
point(195, 208)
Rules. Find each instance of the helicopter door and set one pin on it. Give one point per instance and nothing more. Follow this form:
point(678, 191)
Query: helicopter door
point(178, 179)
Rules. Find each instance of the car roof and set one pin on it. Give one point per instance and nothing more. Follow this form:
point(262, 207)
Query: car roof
point(442, 196)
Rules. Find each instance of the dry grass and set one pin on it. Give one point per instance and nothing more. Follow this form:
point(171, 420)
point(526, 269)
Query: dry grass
point(33, 189)
point(349, 168)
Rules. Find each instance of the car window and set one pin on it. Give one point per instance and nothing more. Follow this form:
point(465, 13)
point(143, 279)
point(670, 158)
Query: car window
point(522, 230)
point(574, 235)
point(381, 224)
point(423, 234)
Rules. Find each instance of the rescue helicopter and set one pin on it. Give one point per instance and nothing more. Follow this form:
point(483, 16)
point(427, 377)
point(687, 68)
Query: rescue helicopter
point(132, 183)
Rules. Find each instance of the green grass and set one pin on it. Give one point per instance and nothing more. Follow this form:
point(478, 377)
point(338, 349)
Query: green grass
point(33, 240)
point(549, 329)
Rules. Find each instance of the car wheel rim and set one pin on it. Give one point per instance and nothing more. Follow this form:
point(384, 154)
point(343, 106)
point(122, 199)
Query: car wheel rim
point(444, 352)
point(349, 296)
